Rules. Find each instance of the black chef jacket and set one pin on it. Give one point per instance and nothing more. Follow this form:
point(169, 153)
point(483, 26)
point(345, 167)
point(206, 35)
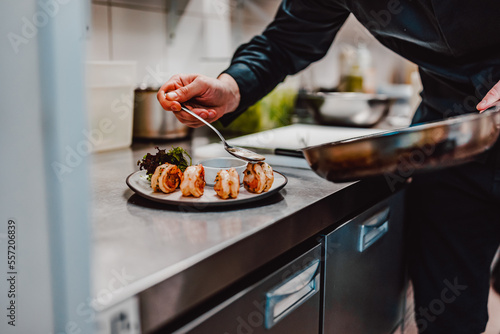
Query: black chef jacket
point(455, 43)
point(452, 214)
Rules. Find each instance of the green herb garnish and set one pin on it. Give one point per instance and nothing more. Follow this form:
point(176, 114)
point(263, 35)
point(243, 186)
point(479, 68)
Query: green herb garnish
point(176, 156)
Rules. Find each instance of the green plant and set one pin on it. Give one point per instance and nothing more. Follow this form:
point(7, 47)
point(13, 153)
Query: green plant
point(272, 111)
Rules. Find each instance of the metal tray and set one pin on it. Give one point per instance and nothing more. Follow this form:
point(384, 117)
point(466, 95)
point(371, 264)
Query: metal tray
point(402, 152)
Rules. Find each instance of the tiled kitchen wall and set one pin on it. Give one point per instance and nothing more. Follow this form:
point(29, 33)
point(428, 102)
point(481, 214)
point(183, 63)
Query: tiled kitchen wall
point(388, 67)
point(199, 36)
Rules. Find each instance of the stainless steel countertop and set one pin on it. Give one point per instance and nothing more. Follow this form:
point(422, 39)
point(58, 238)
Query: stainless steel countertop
point(157, 252)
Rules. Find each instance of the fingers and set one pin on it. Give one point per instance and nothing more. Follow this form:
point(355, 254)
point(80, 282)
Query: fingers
point(182, 88)
point(187, 92)
point(491, 98)
point(172, 87)
point(167, 104)
point(210, 115)
point(177, 81)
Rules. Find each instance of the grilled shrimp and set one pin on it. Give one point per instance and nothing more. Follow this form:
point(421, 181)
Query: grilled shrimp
point(258, 177)
point(170, 178)
point(166, 178)
point(154, 178)
point(227, 183)
point(268, 172)
point(193, 182)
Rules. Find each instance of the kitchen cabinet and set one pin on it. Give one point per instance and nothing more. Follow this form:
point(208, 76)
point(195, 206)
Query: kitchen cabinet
point(364, 271)
point(286, 301)
point(352, 282)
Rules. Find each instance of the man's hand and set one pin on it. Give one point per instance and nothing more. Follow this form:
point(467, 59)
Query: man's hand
point(208, 97)
point(491, 98)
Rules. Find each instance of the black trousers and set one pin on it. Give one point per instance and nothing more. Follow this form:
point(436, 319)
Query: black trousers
point(453, 225)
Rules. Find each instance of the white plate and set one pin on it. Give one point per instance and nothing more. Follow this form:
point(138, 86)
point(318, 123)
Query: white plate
point(140, 185)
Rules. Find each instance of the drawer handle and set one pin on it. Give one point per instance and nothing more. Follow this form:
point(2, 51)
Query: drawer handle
point(283, 299)
point(373, 229)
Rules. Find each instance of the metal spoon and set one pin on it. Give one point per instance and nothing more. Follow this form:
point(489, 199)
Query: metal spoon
point(238, 152)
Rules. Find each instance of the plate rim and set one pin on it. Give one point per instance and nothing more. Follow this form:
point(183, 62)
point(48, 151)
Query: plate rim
point(227, 202)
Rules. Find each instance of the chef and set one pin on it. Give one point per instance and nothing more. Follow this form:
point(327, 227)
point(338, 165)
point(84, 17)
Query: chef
point(453, 214)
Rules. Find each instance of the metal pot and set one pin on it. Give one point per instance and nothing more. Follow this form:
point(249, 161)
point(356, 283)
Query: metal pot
point(347, 109)
point(151, 121)
point(398, 154)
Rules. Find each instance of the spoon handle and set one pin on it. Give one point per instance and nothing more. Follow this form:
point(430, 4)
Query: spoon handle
point(202, 120)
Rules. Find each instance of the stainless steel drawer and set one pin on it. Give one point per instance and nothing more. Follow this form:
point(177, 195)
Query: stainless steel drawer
point(365, 273)
point(287, 301)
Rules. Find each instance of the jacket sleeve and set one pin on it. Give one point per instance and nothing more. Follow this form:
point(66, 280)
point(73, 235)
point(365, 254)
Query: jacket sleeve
point(300, 34)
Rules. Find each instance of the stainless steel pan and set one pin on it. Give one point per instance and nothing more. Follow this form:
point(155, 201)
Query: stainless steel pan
point(400, 153)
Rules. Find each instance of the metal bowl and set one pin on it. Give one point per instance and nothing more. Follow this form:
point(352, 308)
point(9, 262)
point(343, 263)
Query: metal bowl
point(398, 154)
point(347, 109)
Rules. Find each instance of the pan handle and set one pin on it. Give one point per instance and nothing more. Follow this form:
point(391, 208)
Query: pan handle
point(289, 152)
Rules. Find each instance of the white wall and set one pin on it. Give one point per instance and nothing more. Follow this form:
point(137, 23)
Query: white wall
point(201, 41)
point(205, 35)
